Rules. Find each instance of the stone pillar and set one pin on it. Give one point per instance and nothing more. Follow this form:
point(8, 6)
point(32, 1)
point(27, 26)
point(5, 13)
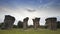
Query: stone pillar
point(36, 22)
point(58, 24)
point(20, 24)
point(25, 23)
point(8, 22)
point(51, 23)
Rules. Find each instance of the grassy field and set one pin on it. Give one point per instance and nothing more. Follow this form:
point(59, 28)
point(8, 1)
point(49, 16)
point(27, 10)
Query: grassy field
point(29, 31)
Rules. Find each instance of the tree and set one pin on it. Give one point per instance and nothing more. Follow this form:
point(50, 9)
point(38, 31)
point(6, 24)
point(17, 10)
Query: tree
point(14, 26)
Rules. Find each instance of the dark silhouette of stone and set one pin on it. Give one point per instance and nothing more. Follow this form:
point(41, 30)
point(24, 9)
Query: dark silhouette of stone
point(58, 24)
point(51, 23)
point(8, 22)
point(36, 22)
point(20, 24)
point(25, 23)
point(1, 24)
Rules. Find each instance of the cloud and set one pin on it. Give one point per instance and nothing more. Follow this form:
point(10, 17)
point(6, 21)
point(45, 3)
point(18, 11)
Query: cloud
point(30, 10)
point(48, 9)
point(18, 13)
point(55, 4)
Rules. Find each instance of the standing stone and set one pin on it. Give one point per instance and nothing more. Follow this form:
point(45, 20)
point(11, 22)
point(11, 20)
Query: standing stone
point(20, 24)
point(25, 23)
point(36, 22)
point(8, 22)
point(51, 23)
point(58, 24)
point(1, 24)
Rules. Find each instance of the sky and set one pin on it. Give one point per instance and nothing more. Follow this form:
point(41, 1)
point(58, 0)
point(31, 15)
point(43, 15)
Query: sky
point(21, 9)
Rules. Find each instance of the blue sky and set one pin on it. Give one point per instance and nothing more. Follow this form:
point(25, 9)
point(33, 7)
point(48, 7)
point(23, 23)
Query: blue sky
point(38, 8)
point(33, 3)
point(14, 3)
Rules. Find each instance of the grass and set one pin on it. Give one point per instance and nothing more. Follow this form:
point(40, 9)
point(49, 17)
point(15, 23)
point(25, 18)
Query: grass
point(29, 31)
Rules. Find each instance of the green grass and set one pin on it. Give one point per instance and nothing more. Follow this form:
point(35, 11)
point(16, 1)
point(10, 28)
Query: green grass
point(29, 31)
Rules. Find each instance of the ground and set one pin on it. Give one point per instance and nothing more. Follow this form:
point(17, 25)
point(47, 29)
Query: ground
point(29, 31)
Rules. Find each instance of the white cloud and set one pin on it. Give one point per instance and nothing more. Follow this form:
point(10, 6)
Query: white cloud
point(21, 13)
